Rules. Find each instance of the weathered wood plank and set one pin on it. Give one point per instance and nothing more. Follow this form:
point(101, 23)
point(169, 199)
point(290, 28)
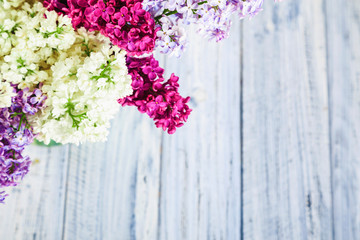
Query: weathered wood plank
point(343, 36)
point(113, 187)
point(142, 184)
point(200, 167)
point(34, 210)
point(286, 167)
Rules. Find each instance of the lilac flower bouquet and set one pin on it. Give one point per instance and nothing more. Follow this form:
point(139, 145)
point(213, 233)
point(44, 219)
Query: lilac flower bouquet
point(67, 67)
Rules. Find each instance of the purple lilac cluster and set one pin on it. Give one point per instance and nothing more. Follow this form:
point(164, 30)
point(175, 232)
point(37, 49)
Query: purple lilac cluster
point(160, 100)
point(212, 17)
point(125, 22)
point(15, 135)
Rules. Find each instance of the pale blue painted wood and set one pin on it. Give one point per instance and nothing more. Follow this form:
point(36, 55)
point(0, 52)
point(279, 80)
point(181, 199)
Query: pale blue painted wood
point(113, 187)
point(270, 151)
point(286, 166)
point(35, 209)
point(343, 34)
point(200, 164)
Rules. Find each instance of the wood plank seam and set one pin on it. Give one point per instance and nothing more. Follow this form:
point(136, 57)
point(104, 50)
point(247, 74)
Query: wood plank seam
point(325, 9)
point(241, 132)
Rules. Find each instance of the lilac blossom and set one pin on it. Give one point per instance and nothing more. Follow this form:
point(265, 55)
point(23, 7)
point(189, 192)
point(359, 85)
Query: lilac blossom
point(125, 23)
point(154, 96)
point(15, 135)
point(211, 16)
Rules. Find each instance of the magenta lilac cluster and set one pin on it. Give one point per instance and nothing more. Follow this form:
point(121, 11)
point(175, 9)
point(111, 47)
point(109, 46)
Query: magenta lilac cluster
point(125, 22)
point(132, 28)
point(137, 25)
point(15, 135)
point(152, 95)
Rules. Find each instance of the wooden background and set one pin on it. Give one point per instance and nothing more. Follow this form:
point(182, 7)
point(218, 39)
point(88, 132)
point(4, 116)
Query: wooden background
point(271, 150)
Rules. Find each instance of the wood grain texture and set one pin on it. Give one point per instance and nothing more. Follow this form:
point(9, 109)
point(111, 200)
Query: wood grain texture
point(113, 187)
point(286, 167)
point(343, 36)
point(200, 173)
point(270, 150)
point(35, 208)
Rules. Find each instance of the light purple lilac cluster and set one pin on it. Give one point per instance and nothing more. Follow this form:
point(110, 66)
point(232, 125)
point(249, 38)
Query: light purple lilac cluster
point(211, 16)
point(15, 135)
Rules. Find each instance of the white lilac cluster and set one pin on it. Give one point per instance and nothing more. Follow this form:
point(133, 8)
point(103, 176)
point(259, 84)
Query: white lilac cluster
point(211, 16)
point(8, 4)
point(81, 73)
point(7, 27)
point(6, 93)
point(82, 96)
